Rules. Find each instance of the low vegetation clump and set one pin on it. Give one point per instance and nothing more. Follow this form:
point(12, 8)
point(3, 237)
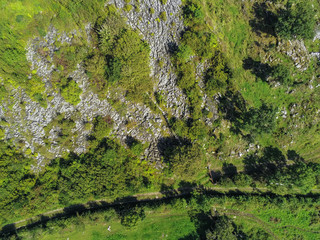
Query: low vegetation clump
point(127, 8)
point(163, 16)
point(163, 2)
point(70, 91)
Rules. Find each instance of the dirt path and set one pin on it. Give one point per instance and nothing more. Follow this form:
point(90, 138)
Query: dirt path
point(301, 229)
point(137, 198)
point(264, 225)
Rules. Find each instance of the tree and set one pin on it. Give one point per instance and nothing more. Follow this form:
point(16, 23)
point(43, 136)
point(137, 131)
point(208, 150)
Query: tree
point(260, 120)
point(223, 229)
point(70, 91)
point(184, 52)
point(297, 20)
point(299, 175)
point(282, 74)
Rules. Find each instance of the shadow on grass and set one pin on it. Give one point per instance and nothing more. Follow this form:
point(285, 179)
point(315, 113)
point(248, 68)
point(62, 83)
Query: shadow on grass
point(260, 167)
point(130, 210)
point(259, 69)
point(264, 20)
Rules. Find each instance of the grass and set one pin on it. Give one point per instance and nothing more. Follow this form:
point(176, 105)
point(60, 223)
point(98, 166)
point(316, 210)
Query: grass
point(281, 218)
point(158, 224)
point(22, 21)
point(230, 21)
point(284, 220)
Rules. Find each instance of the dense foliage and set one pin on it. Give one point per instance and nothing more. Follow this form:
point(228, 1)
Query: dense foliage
point(107, 171)
point(297, 20)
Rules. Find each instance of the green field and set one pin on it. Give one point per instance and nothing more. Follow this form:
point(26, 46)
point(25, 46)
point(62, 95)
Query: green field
point(189, 218)
point(155, 226)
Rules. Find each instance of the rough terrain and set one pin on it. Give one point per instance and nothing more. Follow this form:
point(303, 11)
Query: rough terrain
point(27, 119)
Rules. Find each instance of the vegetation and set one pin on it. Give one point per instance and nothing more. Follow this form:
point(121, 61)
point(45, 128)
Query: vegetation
point(108, 170)
point(297, 20)
point(282, 74)
point(252, 122)
point(163, 16)
point(201, 216)
point(163, 2)
point(70, 91)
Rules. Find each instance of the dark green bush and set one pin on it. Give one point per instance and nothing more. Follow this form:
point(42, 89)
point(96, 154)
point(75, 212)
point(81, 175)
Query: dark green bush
point(297, 20)
point(102, 127)
point(282, 74)
point(216, 78)
point(192, 13)
point(260, 120)
point(184, 52)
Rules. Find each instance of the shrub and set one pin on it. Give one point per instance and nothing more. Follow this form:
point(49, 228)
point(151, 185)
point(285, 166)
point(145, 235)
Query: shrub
point(163, 16)
point(113, 70)
point(70, 91)
point(127, 7)
point(102, 127)
point(163, 2)
point(216, 77)
point(282, 74)
point(186, 76)
point(192, 14)
point(296, 21)
point(260, 120)
point(133, 54)
point(184, 52)
point(242, 180)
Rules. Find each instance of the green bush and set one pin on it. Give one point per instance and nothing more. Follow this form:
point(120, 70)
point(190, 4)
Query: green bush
point(127, 7)
point(297, 20)
point(186, 162)
point(260, 120)
point(192, 13)
point(282, 74)
point(184, 52)
point(217, 76)
point(113, 70)
point(163, 16)
point(133, 54)
point(97, 71)
point(186, 75)
point(242, 180)
point(163, 2)
point(70, 91)
point(102, 127)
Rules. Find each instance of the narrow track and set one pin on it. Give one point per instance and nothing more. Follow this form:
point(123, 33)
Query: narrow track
point(137, 198)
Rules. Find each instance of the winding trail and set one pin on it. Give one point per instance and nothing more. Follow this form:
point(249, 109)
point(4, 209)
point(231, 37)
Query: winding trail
point(264, 225)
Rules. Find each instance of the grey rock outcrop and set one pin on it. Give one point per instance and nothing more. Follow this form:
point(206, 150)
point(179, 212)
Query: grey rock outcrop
point(27, 120)
point(162, 37)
